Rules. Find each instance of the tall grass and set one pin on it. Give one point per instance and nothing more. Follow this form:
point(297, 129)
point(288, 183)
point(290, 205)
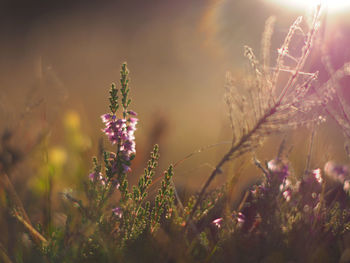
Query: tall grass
point(286, 217)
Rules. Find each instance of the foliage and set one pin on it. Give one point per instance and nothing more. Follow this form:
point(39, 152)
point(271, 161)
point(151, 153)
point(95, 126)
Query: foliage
point(286, 217)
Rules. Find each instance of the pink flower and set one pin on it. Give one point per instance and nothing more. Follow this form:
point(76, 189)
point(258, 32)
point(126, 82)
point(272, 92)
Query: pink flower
point(278, 168)
point(287, 194)
point(317, 174)
point(346, 186)
point(121, 132)
point(130, 112)
point(126, 168)
point(218, 222)
point(336, 172)
point(240, 218)
point(118, 212)
point(133, 120)
point(106, 117)
point(97, 177)
point(92, 176)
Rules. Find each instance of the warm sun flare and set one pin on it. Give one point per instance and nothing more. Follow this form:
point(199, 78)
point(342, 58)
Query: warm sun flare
point(332, 5)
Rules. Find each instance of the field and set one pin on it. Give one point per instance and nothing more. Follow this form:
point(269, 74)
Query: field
point(258, 172)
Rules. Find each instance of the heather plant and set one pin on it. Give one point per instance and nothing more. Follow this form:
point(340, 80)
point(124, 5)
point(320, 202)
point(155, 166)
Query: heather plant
point(133, 215)
point(285, 216)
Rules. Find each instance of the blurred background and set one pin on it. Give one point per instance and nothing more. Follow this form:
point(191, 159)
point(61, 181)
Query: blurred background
point(58, 59)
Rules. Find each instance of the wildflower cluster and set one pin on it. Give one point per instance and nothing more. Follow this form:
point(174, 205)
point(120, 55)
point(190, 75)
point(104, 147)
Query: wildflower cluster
point(120, 131)
point(282, 209)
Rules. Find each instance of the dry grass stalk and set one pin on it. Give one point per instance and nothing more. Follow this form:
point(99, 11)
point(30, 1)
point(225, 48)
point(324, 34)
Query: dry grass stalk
point(261, 108)
point(36, 236)
point(19, 212)
point(3, 255)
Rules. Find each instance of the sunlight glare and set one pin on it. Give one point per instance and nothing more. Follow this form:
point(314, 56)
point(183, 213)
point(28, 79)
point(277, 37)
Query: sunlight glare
point(331, 5)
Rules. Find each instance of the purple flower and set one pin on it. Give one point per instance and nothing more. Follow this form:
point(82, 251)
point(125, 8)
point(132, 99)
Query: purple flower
point(346, 186)
point(126, 168)
point(313, 180)
point(129, 146)
point(92, 176)
point(97, 177)
point(218, 222)
point(130, 112)
point(106, 117)
point(317, 175)
point(133, 121)
point(116, 183)
point(258, 190)
point(240, 218)
point(278, 168)
point(118, 212)
point(121, 123)
point(336, 172)
point(287, 184)
point(121, 132)
point(287, 194)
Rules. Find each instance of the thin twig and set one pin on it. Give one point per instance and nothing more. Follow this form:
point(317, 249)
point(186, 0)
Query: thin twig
point(308, 160)
point(200, 150)
point(283, 50)
point(244, 199)
point(266, 42)
point(335, 82)
point(3, 255)
point(292, 71)
point(8, 186)
point(281, 148)
point(258, 164)
point(305, 53)
point(19, 212)
point(37, 237)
